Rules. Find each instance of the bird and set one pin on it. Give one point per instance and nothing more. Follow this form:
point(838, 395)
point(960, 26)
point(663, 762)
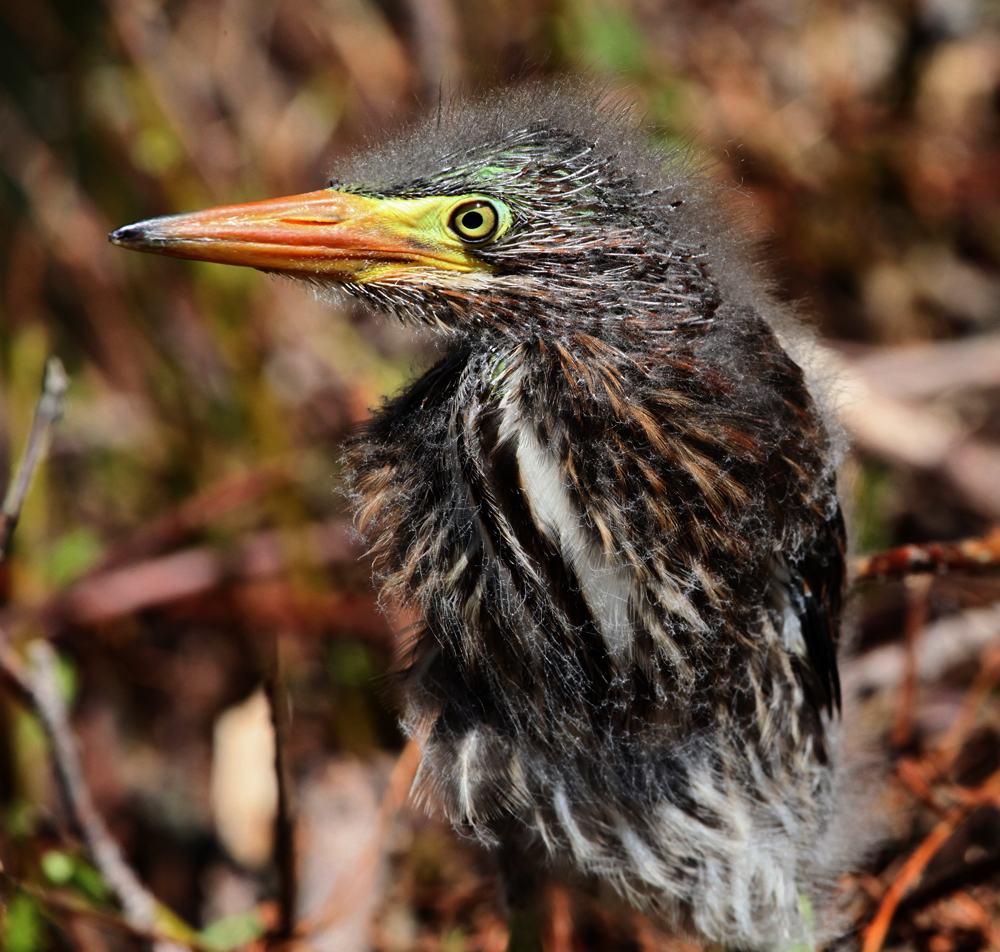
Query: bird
point(611, 502)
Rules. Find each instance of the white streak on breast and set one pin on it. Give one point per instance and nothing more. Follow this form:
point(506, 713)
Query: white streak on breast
point(643, 860)
point(582, 848)
point(466, 754)
point(607, 588)
point(608, 584)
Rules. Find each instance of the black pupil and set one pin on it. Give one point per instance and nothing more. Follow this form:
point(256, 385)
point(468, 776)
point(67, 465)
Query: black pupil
point(473, 220)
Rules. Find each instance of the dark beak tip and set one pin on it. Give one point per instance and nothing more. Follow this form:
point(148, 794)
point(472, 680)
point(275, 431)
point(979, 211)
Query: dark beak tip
point(129, 236)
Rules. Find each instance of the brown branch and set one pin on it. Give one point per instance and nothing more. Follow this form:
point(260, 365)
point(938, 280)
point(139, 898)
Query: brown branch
point(48, 410)
point(284, 821)
point(908, 875)
point(919, 777)
point(559, 920)
point(918, 590)
point(957, 876)
point(916, 863)
point(942, 646)
point(968, 555)
point(133, 575)
point(975, 698)
point(197, 571)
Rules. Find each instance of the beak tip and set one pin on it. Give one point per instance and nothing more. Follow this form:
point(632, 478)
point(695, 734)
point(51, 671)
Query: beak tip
point(130, 236)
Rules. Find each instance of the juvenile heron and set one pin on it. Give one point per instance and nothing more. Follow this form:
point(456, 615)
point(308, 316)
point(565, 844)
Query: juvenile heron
point(612, 503)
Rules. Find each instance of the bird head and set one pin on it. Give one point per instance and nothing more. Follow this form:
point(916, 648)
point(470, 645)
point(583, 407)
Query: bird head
point(535, 209)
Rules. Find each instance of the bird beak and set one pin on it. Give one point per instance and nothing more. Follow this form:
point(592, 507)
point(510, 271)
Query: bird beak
point(337, 235)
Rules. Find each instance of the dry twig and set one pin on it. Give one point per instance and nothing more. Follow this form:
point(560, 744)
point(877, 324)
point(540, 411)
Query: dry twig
point(943, 645)
point(918, 589)
point(284, 821)
point(191, 572)
point(908, 875)
point(48, 410)
point(37, 684)
point(968, 555)
point(975, 699)
point(916, 863)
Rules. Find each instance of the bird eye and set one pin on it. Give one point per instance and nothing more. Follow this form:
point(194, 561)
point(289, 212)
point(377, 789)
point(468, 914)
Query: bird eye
point(474, 222)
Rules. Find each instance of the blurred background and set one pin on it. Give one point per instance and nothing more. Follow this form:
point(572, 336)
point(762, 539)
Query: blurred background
point(185, 549)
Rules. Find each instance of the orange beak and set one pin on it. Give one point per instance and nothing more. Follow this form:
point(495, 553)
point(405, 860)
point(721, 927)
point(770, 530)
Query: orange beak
point(338, 235)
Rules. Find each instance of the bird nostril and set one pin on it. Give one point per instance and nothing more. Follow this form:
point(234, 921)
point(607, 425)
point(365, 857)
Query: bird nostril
point(316, 220)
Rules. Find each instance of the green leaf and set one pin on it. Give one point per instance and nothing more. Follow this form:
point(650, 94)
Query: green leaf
point(232, 931)
point(72, 554)
point(90, 882)
point(58, 867)
point(66, 678)
point(22, 925)
point(65, 869)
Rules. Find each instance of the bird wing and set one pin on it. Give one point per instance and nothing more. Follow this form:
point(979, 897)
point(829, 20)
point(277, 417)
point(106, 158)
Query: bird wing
point(816, 579)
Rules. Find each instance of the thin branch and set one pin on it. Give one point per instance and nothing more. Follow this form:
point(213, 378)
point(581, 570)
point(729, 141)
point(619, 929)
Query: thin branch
point(968, 555)
point(908, 875)
point(957, 875)
point(284, 821)
point(37, 684)
point(42, 682)
point(138, 904)
point(913, 868)
point(559, 920)
point(48, 410)
point(918, 589)
point(920, 776)
point(187, 573)
point(985, 681)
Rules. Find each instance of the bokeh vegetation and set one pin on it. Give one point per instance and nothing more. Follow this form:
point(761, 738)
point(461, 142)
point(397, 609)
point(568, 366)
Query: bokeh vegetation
point(186, 541)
